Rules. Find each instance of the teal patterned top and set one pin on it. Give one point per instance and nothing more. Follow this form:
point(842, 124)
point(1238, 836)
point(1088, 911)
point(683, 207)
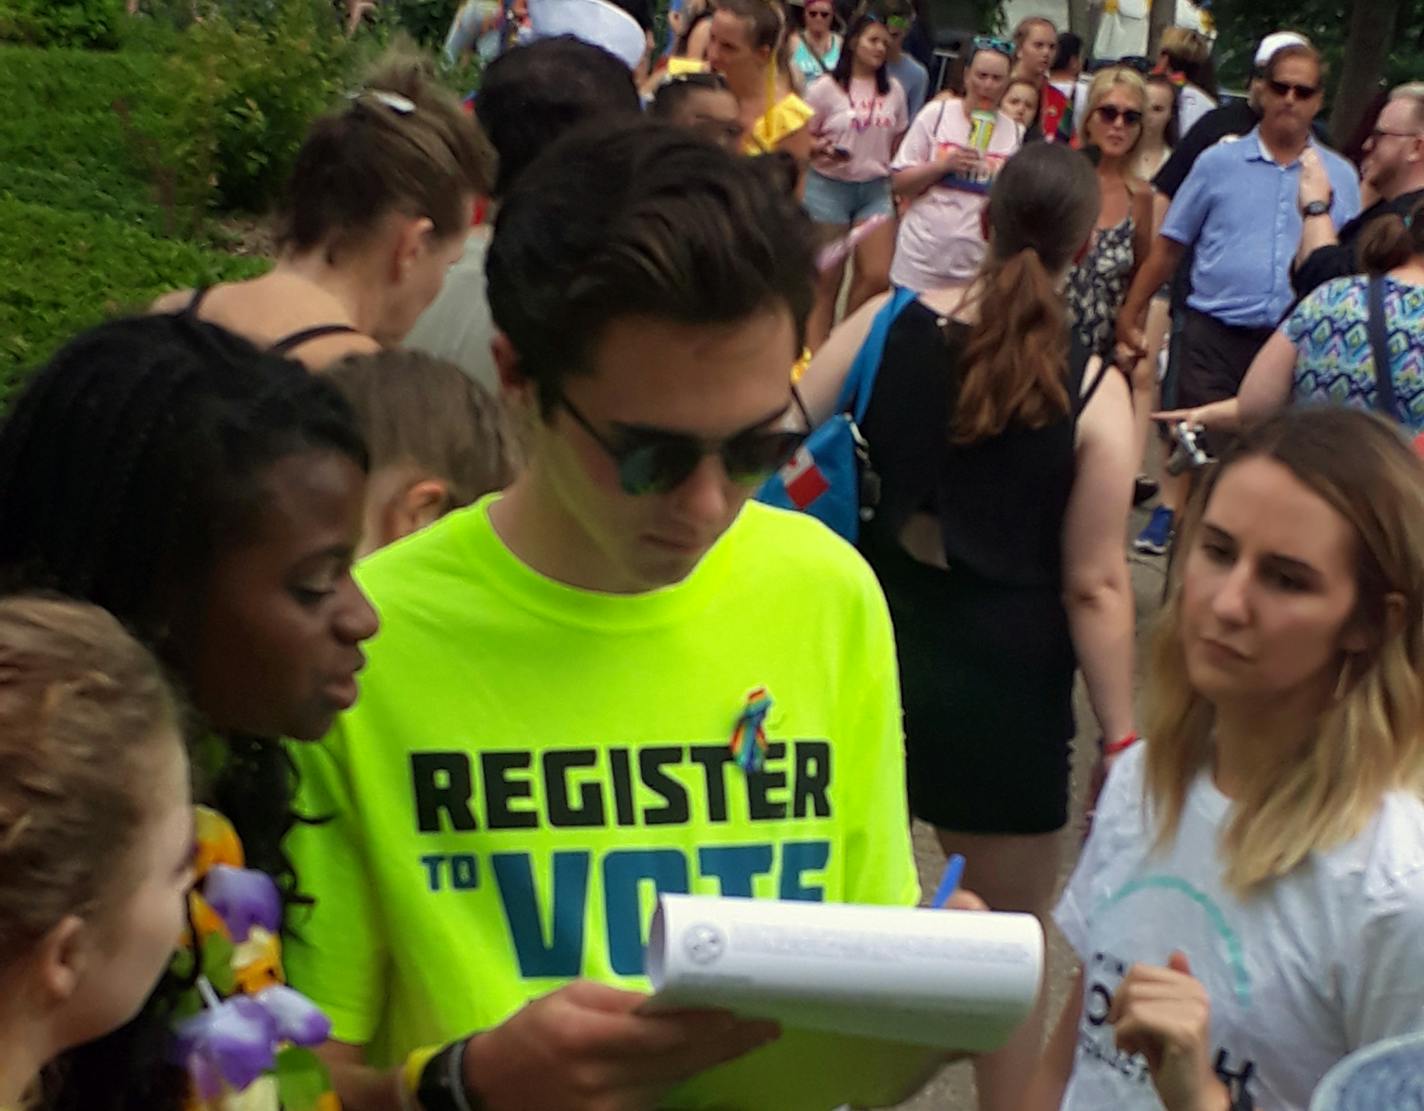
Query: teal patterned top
point(1334, 362)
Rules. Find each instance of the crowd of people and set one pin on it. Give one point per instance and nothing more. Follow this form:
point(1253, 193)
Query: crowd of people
point(378, 634)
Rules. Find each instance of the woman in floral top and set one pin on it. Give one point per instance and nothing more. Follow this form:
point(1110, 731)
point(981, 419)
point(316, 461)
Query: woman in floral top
point(1322, 353)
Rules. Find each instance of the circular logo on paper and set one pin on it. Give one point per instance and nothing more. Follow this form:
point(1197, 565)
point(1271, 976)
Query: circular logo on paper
point(703, 943)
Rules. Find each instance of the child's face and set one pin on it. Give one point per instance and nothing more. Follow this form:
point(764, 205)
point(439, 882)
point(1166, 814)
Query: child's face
point(1020, 103)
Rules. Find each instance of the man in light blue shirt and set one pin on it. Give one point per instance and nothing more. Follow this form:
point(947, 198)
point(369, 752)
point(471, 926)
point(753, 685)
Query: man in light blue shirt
point(1239, 210)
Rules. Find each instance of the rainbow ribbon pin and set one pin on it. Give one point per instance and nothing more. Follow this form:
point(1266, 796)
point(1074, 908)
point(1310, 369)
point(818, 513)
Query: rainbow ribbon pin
point(748, 742)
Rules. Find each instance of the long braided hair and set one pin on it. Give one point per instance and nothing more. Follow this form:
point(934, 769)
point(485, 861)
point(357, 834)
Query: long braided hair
point(128, 465)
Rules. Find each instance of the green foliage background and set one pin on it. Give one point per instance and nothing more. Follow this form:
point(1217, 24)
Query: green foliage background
point(81, 236)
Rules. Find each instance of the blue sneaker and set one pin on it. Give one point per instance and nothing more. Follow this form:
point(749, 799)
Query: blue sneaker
point(1155, 538)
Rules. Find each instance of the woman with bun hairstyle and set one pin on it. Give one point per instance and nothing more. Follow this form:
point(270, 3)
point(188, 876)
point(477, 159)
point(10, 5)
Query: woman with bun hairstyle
point(377, 208)
point(1323, 353)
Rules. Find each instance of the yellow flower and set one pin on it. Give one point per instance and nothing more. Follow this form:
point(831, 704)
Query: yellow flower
point(217, 841)
point(257, 962)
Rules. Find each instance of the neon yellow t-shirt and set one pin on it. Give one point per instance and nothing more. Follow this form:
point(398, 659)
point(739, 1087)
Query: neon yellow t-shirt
point(528, 763)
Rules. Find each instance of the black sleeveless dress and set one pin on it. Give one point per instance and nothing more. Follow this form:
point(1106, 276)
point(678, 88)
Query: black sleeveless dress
point(986, 660)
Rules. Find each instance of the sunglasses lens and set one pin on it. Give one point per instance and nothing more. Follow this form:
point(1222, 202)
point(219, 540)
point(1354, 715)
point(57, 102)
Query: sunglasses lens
point(657, 468)
point(751, 460)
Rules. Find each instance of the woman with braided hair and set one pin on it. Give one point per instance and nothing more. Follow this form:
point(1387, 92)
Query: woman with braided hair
point(209, 496)
point(377, 209)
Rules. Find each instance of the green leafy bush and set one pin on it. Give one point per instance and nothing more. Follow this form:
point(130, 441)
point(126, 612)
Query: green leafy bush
point(426, 21)
point(84, 23)
point(235, 100)
point(80, 235)
point(63, 271)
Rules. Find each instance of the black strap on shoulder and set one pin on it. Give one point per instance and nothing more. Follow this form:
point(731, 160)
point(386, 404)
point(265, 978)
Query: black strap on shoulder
point(296, 339)
point(1379, 346)
point(196, 301)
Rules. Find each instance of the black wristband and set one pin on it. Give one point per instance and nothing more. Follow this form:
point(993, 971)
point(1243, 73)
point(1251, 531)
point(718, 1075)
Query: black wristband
point(442, 1082)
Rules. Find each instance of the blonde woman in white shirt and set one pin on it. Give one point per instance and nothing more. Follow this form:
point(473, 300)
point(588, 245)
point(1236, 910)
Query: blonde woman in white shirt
point(1249, 907)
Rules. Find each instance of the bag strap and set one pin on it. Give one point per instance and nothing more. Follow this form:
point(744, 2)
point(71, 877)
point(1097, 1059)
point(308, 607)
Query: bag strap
point(1379, 345)
point(860, 381)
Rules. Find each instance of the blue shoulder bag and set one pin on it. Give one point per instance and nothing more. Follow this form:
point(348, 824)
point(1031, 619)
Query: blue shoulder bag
point(830, 476)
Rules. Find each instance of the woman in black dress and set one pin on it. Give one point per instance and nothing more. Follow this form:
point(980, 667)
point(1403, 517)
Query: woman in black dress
point(1006, 461)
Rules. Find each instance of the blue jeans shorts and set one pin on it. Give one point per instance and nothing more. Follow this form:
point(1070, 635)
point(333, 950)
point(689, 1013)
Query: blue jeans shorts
point(830, 201)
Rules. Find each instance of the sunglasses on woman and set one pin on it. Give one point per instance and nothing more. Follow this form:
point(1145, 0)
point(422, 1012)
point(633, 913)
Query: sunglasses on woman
point(655, 461)
point(993, 42)
point(1110, 113)
point(818, 13)
point(1285, 88)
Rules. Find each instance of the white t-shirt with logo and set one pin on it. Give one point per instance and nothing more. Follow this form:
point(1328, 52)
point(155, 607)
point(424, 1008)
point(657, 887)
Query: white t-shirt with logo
point(1312, 966)
point(941, 241)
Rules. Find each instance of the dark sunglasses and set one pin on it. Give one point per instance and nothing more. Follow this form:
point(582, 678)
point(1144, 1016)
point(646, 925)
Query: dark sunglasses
point(819, 13)
point(1110, 113)
point(651, 461)
point(993, 42)
point(1285, 88)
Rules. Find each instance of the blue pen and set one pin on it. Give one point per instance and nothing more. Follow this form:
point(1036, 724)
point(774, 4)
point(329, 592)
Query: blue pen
point(949, 883)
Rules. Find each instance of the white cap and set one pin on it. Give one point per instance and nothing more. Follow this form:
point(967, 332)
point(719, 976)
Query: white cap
point(592, 21)
point(1275, 42)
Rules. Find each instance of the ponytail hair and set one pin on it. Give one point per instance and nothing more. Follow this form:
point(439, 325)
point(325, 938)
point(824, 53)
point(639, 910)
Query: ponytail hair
point(1042, 209)
point(1392, 240)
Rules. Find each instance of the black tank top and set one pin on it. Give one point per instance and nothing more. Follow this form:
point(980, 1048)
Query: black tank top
point(1001, 501)
point(287, 342)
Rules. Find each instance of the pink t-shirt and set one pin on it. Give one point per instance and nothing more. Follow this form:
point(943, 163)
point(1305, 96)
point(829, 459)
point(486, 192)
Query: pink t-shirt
point(940, 241)
point(863, 121)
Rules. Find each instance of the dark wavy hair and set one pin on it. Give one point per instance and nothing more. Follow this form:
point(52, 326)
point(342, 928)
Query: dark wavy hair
point(845, 64)
point(129, 463)
point(677, 229)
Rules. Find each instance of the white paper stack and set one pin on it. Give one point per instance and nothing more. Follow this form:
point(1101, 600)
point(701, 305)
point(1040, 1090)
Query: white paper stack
point(956, 980)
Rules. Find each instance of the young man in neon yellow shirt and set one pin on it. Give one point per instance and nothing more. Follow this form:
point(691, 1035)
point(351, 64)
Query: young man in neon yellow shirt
point(542, 739)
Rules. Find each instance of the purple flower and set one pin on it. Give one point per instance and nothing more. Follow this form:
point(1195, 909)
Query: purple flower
point(297, 1019)
point(234, 1042)
point(243, 898)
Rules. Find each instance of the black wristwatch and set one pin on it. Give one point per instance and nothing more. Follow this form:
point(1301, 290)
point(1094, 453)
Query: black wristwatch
point(1316, 208)
point(442, 1082)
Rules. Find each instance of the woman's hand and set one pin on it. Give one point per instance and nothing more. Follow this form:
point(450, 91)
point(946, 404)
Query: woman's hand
point(1165, 1015)
point(960, 160)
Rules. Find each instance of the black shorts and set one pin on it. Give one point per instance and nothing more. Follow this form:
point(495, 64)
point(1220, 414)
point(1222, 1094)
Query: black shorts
point(1214, 358)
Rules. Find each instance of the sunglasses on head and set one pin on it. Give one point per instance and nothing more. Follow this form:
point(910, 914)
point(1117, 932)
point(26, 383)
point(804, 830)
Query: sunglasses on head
point(993, 42)
point(1110, 113)
point(1285, 88)
point(698, 79)
point(654, 461)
